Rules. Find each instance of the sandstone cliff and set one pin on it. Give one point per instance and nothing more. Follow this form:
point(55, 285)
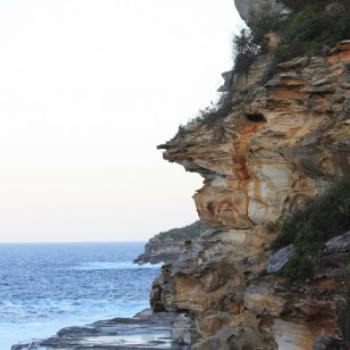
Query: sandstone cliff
point(166, 247)
point(285, 140)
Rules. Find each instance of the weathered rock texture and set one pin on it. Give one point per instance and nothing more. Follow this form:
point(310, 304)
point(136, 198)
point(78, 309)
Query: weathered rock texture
point(282, 143)
point(285, 141)
point(145, 331)
point(167, 246)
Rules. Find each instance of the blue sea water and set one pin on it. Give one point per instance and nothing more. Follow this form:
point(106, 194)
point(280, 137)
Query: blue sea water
point(45, 287)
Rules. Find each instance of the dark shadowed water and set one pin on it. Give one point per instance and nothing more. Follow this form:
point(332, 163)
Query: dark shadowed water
point(44, 287)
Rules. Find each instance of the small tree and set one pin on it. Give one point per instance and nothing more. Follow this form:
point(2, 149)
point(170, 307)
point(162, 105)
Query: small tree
point(246, 51)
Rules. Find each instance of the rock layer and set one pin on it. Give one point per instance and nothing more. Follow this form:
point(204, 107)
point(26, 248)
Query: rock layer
point(166, 247)
point(144, 331)
point(282, 144)
point(286, 139)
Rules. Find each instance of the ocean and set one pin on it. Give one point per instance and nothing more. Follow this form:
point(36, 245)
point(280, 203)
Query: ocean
point(45, 287)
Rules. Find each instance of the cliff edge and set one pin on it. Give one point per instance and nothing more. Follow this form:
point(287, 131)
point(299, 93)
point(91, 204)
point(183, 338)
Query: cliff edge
point(283, 142)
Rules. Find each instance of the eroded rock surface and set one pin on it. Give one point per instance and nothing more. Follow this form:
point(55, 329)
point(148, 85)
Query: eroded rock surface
point(144, 331)
point(285, 141)
point(280, 146)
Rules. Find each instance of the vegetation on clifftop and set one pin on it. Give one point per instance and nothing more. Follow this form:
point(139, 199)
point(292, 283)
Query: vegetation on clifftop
point(190, 232)
point(251, 43)
point(324, 217)
point(211, 114)
point(312, 28)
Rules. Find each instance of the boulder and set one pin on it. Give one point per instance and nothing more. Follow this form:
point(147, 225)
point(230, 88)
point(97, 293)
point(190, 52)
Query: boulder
point(339, 244)
point(279, 260)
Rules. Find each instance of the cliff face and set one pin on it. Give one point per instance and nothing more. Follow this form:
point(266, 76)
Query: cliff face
point(285, 141)
point(282, 143)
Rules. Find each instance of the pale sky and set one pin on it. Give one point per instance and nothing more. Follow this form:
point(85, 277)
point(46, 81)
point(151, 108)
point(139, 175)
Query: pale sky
point(88, 88)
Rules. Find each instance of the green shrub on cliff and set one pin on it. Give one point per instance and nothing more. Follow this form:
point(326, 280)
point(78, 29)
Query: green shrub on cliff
point(314, 29)
point(209, 115)
point(215, 111)
point(324, 217)
point(246, 51)
point(261, 23)
point(299, 266)
point(250, 44)
point(189, 232)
